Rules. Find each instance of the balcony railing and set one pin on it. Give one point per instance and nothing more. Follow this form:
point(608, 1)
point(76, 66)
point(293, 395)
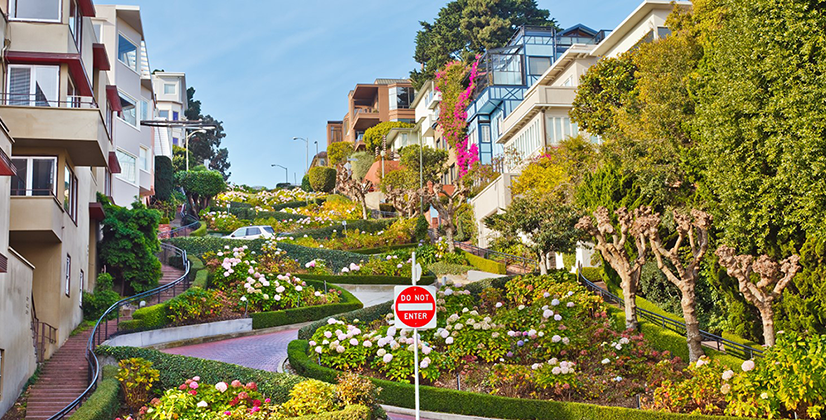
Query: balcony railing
point(38, 100)
point(32, 192)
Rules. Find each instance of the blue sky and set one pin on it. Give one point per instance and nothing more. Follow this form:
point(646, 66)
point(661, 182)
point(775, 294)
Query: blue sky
point(272, 70)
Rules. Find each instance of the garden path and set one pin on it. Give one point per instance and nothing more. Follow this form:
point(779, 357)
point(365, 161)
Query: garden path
point(265, 352)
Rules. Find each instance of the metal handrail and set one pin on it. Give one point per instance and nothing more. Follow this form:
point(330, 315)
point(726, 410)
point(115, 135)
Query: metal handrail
point(94, 363)
point(35, 100)
point(730, 347)
point(181, 231)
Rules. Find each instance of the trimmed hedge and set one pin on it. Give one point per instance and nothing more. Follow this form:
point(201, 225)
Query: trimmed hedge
point(369, 226)
point(351, 412)
point(474, 404)
point(335, 259)
point(486, 265)
point(201, 279)
point(104, 403)
point(176, 369)
point(440, 267)
point(383, 249)
point(201, 231)
point(358, 279)
point(366, 315)
point(307, 313)
point(297, 204)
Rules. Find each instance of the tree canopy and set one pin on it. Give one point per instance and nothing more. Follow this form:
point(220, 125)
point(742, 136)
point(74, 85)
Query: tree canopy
point(338, 152)
point(207, 146)
point(129, 244)
point(201, 186)
point(373, 136)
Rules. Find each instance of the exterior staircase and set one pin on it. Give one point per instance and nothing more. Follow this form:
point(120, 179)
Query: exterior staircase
point(66, 374)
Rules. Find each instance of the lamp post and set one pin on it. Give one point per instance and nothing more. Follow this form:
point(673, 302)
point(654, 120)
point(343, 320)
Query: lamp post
point(286, 173)
point(307, 155)
point(186, 140)
point(316, 147)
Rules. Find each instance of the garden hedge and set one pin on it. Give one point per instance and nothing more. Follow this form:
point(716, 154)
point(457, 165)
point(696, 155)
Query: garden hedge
point(383, 249)
point(176, 369)
point(297, 204)
point(201, 231)
point(366, 315)
point(476, 404)
point(308, 313)
point(104, 403)
point(369, 226)
point(440, 268)
point(335, 259)
point(486, 265)
point(367, 279)
point(351, 412)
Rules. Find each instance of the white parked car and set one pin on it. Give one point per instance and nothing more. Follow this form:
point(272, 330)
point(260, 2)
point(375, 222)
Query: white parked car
point(252, 232)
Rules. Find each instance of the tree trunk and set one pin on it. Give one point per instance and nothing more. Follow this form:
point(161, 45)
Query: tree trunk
point(364, 208)
point(692, 326)
point(767, 314)
point(629, 294)
point(449, 235)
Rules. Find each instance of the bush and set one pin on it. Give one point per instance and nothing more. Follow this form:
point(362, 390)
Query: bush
point(201, 231)
point(305, 184)
point(486, 265)
point(366, 315)
point(338, 152)
point(201, 279)
point(296, 204)
point(357, 279)
point(322, 179)
point(164, 178)
point(175, 370)
point(129, 244)
point(382, 250)
point(422, 227)
point(439, 268)
point(136, 377)
point(148, 317)
point(351, 412)
point(95, 304)
point(307, 313)
point(370, 226)
point(104, 403)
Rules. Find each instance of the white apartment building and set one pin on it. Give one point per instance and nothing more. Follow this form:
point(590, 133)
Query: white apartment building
point(541, 120)
point(172, 102)
point(120, 29)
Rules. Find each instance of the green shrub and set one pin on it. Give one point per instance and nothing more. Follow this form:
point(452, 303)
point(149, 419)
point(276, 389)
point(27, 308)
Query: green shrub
point(568, 260)
point(384, 249)
point(129, 244)
point(95, 304)
point(175, 370)
point(308, 313)
point(305, 183)
point(486, 265)
point(149, 317)
point(440, 267)
point(201, 231)
point(366, 315)
point(322, 179)
point(351, 412)
point(297, 204)
point(358, 279)
point(164, 178)
point(201, 279)
point(104, 403)
point(475, 404)
point(369, 226)
point(422, 226)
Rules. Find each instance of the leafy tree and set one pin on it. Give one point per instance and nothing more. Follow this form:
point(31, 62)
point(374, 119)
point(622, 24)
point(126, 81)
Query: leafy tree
point(322, 179)
point(338, 152)
point(465, 28)
point(179, 158)
point(201, 186)
point(129, 244)
point(545, 224)
point(447, 204)
point(305, 183)
point(164, 178)
point(95, 304)
point(360, 163)
point(353, 186)
point(207, 146)
point(433, 162)
point(803, 306)
point(373, 136)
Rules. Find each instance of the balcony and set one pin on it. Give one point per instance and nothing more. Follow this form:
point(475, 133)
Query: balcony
point(364, 118)
point(36, 216)
point(75, 124)
point(537, 99)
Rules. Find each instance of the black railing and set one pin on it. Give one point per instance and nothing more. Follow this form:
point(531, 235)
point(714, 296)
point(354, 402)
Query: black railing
point(523, 262)
point(101, 334)
point(741, 351)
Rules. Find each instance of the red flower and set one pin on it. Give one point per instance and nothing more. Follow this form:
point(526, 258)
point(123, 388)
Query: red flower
point(256, 403)
point(193, 392)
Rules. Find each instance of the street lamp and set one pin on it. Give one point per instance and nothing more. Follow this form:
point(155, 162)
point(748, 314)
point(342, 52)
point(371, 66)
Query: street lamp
point(307, 155)
point(286, 174)
point(186, 140)
point(316, 147)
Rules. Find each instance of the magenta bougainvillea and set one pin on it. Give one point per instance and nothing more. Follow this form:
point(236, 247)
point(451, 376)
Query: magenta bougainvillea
point(453, 114)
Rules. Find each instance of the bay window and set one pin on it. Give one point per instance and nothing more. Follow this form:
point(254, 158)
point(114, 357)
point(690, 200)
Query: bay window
point(41, 10)
point(70, 193)
point(143, 159)
point(32, 85)
point(128, 53)
point(128, 166)
point(35, 176)
point(130, 112)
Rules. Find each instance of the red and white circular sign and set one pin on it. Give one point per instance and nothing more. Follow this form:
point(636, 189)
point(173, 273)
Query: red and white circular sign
point(415, 307)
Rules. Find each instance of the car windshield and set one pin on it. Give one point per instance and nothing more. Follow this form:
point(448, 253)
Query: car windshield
point(240, 232)
point(269, 229)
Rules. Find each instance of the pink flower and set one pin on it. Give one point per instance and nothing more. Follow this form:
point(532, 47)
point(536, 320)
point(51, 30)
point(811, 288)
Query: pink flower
point(194, 385)
point(227, 413)
point(236, 383)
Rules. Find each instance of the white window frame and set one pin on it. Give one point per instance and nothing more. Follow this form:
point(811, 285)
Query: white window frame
point(121, 175)
point(162, 117)
point(174, 88)
point(137, 54)
point(13, 10)
point(144, 114)
point(143, 161)
point(136, 126)
point(32, 83)
point(68, 290)
point(80, 292)
point(30, 172)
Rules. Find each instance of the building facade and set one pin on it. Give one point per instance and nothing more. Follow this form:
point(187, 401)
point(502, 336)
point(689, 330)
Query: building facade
point(371, 104)
point(172, 103)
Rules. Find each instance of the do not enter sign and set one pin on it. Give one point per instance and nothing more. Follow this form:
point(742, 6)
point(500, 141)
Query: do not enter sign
point(415, 307)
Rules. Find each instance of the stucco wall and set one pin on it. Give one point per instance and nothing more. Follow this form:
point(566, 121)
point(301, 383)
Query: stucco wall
point(15, 331)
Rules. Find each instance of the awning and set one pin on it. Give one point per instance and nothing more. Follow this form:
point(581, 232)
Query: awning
point(87, 8)
point(113, 97)
point(6, 168)
point(96, 211)
point(84, 86)
point(99, 57)
point(114, 164)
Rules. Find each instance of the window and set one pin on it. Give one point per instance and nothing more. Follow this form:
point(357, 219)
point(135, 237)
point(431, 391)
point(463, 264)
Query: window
point(68, 275)
point(80, 291)
point(45, 10)
point(169, 88)
point(128, 53)
point(253, 231)
point(2, 353)
point(538, 65)
point(107, 183)
point(144, 110)
point(70, 193)
point(130, 112)
point(663, 32)
point(32, 85)
point(269, 230)
point(143, 159)
point(404, 96)
point(98, 27)
point(558, 129)
point(127, 166)
point(164, 115)
point(569, 81)
point(75, 22)
point(35, 176)
point(174, 141)
point(174, 115)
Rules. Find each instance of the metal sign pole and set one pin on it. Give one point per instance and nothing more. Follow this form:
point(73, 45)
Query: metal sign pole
point(415, 278)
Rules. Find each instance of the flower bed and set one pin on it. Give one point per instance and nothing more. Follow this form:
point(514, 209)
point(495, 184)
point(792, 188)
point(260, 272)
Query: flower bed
point(367, 279)
point(400, 232)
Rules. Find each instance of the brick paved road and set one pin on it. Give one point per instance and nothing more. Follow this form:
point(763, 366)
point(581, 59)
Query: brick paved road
point(265, 352)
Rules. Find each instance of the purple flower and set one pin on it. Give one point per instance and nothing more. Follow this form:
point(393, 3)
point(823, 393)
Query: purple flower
point(520, 343)
point(509, 354)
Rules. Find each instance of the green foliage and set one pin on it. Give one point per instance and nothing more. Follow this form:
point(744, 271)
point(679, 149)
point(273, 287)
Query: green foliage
point(373, 136)
point(149, 317)
point(207, 146)
point(440, 268)
point(368, 226)
point(365, 315)
point(604, 88)
point(179, 158)
point(484, 264)
point(95, 304)
point(366, 279)
point(129, 244)
point(383, 249)
point(305, 183)
point(338, 152)
point(193, 305)
point(201, 231)
point(803, 307)
point(465, 28)
point(104, 403)
point(175, 370)
point(432, 162)
point(310, 397)
point(201, 186)
point(136, 377)
point(308, 313)
point(322, 179)
point(164, 178)
point(351, 412)
point(422, 227)
point(361, 163)
point(201, 279)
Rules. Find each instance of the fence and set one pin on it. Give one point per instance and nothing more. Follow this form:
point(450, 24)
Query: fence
point(100, 332)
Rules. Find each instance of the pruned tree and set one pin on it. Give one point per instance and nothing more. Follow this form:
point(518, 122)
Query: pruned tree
point(405, 200)
point(691, 231)
point(447, 205)
point(774, 277)
point(612, 245)
point(350, 185)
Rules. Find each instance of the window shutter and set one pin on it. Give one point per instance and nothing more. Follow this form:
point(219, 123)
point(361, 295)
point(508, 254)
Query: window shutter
point(20, 85)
